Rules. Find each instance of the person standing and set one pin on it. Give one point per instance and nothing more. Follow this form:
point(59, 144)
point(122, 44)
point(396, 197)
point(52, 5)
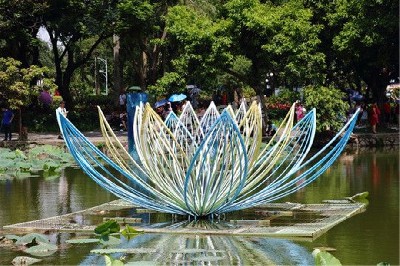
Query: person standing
point(61, 109)
point(300, 111)
point(387, 112)
point(122, 101)
point(6, 122)
point(374, 117)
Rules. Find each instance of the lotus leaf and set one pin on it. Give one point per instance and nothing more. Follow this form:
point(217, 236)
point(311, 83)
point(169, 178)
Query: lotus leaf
point(112, 262)
point(30, 162)
point(42, 249)
point(323, 258)
point(29, 238)
point(24, 260)
point(82, 241)
point(20, 154)
point(12, 237)
point(130, 232)
point(20, 175)
point(7, 154)
point(108, 227)
point(110, 241)
point(360, 196)
point(50, 165)
point(24, 166)
point(6, 163)
point(124, 250)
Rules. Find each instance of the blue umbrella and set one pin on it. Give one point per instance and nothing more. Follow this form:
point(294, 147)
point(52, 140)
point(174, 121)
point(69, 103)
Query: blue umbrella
point(177, 97)
point(160, 103)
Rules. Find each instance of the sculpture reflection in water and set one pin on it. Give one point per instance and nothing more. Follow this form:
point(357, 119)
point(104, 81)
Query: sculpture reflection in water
point(199, 168)
point(172, 249)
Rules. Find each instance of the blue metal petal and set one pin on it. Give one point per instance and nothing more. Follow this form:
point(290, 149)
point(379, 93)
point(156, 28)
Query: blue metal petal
point(218, 169)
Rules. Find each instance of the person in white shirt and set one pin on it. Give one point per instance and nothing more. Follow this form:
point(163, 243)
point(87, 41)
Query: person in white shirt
point(122, 101)
point(64, 112)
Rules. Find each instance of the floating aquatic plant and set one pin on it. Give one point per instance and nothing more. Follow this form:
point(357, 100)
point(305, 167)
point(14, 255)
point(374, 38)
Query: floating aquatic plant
point(47, 159)
point(34, 244)
point(218, 164)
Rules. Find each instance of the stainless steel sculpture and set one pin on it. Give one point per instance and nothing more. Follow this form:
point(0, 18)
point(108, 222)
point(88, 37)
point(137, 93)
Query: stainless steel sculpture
point(194, 167)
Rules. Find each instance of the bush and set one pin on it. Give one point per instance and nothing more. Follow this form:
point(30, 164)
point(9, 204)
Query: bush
point(279, 105)
point(331, 109)
point(84, 116)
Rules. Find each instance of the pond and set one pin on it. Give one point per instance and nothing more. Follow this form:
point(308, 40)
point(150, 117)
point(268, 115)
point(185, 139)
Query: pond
point(367, 238)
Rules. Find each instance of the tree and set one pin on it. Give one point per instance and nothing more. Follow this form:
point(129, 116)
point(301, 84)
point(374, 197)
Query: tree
point(364, 39)
point(71, 23)
point(18, 84)
point(21, 21)
point(142, 32)
point(331, 109)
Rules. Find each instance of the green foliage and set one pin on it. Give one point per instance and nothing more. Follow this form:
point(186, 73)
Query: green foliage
point(130, 232)
point(171, 82)
point(84, 115)
point(323, 258)
point(46, 158)
point(112, 262)
point(248, 92)
point(42, 249)
point(24, 260)
point(234, 43)
point(83, 241)
point(331, 109)
point(107, 228)
point(16, 87)
point(285, 96)
point(37, 244)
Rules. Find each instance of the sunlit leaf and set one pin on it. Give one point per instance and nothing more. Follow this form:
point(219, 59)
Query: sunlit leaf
point(112, 262)
point(29, 238)
point(323, 258)
point(110, 241)
point(24, 260)
point(108, 227)
point(130, 232)
point(124, 250)
point(42, 249)
point(12, 237)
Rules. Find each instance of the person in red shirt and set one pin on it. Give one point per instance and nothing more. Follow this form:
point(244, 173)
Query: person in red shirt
point(386, 113)
point(374, 117)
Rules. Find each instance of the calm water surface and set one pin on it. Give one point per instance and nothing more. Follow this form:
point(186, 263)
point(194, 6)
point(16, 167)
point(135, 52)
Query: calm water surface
point(365, 239)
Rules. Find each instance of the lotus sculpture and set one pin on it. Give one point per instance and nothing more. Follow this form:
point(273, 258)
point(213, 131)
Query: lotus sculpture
point(214, 165)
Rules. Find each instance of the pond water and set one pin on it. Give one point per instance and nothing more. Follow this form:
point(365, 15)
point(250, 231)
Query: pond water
point(367, 238)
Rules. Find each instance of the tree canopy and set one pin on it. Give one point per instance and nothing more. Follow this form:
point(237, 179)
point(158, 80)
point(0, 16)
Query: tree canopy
point(164, 45)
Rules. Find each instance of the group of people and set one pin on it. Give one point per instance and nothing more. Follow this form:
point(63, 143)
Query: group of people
point(374, 115)
point(118, 120)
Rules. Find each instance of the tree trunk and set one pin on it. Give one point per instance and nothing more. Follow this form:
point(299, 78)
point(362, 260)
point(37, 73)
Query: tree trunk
point(117, 88)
